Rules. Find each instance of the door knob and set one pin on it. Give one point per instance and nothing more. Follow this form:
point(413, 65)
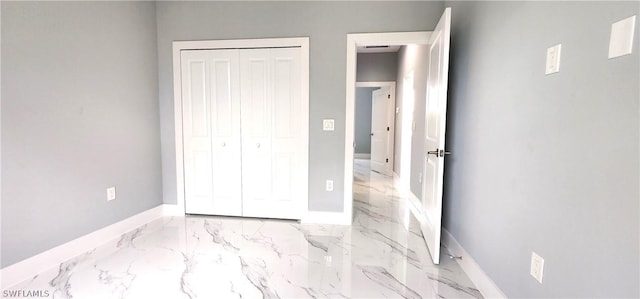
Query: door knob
point(371, 134)
point(438, 153)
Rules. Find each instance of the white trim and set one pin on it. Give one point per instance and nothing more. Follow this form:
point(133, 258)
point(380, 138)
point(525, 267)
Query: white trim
point(376, 84)
point(480, 279)
point(362, 156)
point(172, 210)
point(327, 218)
point(353, 41)
point(302, 42)
point(51, 258)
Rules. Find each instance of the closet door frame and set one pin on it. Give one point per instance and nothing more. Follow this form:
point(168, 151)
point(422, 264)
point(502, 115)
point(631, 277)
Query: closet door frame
point(179, 46)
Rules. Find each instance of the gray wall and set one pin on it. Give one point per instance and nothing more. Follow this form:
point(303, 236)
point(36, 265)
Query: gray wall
point(79, 114)
point(377, 67)
point(412, 58)
point(545, 163)
point(363, 119)
point(327, 25)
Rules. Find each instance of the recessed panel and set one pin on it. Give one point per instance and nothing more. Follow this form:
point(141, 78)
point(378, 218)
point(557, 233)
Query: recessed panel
point(202, 180)
point(221, 98)
point(430, 183)
point(283, 101)
point(198, 99)
point(283, 175)
point(432, 118)
point(258, 107)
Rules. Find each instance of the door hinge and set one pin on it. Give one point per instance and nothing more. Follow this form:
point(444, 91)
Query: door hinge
point(387, 160)
point(387, 128)
point(388, 96)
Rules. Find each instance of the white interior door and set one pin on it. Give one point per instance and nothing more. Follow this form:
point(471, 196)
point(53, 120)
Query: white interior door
point(435, 121)
point(211, 132)
point(273, 141)
point(381, 139)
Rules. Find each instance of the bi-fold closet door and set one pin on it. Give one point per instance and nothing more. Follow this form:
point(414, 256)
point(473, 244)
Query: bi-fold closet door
point(244, 147)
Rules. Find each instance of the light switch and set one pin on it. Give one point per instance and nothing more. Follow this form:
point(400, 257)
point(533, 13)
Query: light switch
point(553, 59)
point(328, 125)
point(621, 41)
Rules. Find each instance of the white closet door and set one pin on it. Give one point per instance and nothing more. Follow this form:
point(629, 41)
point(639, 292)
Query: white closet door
point(211, 130)
point(274, 152)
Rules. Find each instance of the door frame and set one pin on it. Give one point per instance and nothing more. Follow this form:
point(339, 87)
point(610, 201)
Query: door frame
point(178, 46)
point(392, 111)
point(353, 41)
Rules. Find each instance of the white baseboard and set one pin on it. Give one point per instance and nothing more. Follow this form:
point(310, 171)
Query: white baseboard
point(362, 156)
point(483, 282)
point(172, 210)
point(39, 263)
point(485, 285)
point(327, 218)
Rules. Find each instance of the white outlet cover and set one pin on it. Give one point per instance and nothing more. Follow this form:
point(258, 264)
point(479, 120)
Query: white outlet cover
point(329, 185)
point(111, 193)
point(553, 59)
point(621, 41)
point(537, 266)
point(328, 124)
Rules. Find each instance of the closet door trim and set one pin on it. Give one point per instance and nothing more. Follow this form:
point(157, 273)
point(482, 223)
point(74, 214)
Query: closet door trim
point(179, 46)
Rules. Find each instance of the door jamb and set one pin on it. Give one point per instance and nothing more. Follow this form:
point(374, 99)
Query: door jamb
point(178, 46)
point(353, 41)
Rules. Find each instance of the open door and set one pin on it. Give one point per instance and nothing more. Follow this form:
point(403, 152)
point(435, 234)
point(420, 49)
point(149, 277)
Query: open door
point(435, 127)
point(381, 138)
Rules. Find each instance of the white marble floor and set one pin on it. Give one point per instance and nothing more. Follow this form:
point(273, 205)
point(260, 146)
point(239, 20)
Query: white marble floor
point(382, 255)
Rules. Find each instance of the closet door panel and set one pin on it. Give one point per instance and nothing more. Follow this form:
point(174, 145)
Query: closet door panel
point(286, 127)
point(256, 127)
point(271, 85)
point(211, 132)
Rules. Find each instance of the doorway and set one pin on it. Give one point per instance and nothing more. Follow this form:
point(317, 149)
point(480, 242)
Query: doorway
point(353, 42)
point(380, 131)
point(429, 187)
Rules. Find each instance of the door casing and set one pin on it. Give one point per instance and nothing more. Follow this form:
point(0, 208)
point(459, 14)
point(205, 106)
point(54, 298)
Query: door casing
point(178, 46)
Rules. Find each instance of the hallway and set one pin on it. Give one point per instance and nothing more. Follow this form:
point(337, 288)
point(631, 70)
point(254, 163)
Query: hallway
point(381, 255)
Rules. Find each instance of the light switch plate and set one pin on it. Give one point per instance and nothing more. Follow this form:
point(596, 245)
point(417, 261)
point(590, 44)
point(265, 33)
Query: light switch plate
point(111, 193)
point(621, 41)
point(553, 59)
point(537, 266)
point(328, 124)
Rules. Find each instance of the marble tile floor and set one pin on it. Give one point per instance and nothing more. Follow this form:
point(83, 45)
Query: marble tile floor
point(382, 255)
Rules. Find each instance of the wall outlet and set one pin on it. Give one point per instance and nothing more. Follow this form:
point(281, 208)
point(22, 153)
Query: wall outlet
point(328, 124)
point(537, 266)
point(111, 193)
point(553, 59)
point(329, 186)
